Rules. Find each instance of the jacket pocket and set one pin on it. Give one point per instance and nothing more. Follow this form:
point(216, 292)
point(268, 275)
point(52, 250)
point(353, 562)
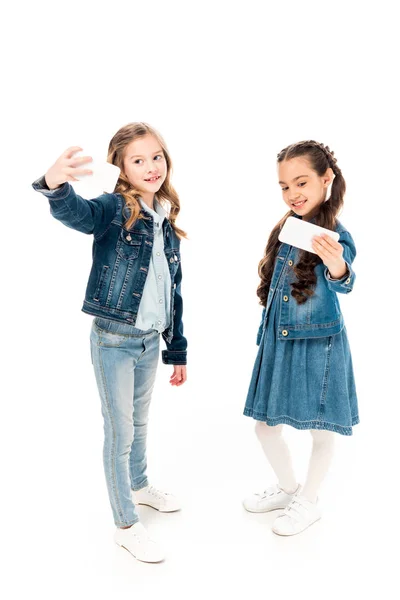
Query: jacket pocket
point(100, 285)
point(128, 245)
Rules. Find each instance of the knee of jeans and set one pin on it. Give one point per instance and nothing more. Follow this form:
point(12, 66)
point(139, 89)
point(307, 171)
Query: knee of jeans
point(124, 441)
point(140, 421)
point(263, 430)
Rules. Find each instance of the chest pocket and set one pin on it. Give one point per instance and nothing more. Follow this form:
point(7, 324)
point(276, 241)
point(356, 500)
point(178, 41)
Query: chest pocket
point(128, 245)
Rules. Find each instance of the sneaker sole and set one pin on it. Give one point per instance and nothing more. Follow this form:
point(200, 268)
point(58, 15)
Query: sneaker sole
point(137, 558)
point(155, 507)
point(296, 532)
point(264, 510)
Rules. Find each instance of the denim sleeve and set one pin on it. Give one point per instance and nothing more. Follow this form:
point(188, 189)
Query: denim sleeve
point(87, 216)
point(176, 349)
point(346, 283)
point(260, 329)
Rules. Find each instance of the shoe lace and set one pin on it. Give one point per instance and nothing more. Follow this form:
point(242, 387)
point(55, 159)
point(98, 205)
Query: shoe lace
point(157, 493)
point(142, 536)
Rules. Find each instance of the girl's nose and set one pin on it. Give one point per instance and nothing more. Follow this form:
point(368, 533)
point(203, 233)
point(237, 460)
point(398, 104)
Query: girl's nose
point(293, 196)
point(150, 166)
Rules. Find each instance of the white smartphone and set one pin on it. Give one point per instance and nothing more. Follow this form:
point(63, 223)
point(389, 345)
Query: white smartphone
point(299, 233)
point(104, 178)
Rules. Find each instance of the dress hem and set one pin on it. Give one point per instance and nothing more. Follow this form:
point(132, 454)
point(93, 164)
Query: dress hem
point(316, 424)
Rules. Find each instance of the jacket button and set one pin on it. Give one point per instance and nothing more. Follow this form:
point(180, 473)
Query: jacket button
point(290, 263)
point(128, 237)
point(347, 280)
point(284, 332)
point(285, 298)
point(171, 260)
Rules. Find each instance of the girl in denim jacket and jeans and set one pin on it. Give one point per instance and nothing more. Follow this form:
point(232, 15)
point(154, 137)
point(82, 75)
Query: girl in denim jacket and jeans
point(134, 292)
point(303, 374)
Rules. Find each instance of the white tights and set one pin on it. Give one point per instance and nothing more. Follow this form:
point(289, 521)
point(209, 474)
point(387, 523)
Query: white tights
point(277, 452)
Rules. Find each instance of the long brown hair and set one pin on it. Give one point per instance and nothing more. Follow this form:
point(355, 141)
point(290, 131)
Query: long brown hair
point(166, 193)
point(320, 158)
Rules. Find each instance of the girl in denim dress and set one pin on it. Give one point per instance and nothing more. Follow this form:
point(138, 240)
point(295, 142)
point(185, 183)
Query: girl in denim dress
point(134, 293)
point(303, 373)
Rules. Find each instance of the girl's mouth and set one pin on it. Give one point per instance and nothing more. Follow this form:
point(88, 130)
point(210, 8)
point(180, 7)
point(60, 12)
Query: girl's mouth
point(299, 204)
point(153, 179)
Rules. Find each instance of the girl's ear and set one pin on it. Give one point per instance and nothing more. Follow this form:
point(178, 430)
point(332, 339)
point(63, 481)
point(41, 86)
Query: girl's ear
point(328, 177)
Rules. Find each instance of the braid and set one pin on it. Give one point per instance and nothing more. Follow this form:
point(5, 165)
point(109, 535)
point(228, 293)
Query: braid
point(303, 147)
point(332, 161)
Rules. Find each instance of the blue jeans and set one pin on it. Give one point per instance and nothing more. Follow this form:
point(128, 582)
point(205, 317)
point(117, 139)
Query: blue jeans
point(125, 363)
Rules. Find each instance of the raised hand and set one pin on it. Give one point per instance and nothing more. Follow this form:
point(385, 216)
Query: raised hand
point(67, 168)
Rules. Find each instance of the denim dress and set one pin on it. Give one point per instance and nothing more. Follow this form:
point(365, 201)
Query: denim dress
point(291, 385)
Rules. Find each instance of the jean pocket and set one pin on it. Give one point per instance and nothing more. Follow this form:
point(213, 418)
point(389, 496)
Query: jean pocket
point(108, 339)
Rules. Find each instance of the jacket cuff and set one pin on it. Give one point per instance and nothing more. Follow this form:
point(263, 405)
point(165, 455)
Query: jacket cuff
point(344, 284)
point(174, 357)
point(59, 193)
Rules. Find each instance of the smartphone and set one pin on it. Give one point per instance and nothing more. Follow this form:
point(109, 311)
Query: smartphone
point(299, 233)
point(104, 178)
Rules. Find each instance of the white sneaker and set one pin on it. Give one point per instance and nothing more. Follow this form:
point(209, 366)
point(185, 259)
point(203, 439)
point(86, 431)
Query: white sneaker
point(137, 541)
point(270, 499)
point(297, 516)
point(161, 501)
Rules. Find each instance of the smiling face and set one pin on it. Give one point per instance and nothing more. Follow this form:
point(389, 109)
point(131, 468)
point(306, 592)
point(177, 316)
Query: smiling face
point(303, 190)
point(145, 166)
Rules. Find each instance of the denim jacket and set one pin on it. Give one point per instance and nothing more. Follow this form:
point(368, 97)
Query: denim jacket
point(121, 259)
point(320, 315)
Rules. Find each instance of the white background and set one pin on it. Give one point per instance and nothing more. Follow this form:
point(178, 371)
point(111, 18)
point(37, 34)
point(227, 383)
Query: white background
point(228, 84)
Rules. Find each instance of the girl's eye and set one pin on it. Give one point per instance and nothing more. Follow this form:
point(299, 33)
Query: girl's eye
point(138, 161)
point(303, 183)
point(284, 189)
point(158, 156)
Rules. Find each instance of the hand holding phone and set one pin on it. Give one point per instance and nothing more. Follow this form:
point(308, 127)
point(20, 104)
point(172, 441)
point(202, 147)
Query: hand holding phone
point(103, 177)
point(299, 233)
point(68, 167)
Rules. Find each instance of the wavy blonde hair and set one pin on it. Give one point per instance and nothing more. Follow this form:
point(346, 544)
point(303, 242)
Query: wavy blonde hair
point(166, 193)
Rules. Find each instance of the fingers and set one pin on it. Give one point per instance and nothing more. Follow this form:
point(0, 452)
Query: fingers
point(325, 246)
point(79, 160)
point(319, 246)
point(324, 254)
point(176, 380)
point(330, 242)
point(70, 151)
point(74, 172)
point(179, 376)
point(75, 161)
